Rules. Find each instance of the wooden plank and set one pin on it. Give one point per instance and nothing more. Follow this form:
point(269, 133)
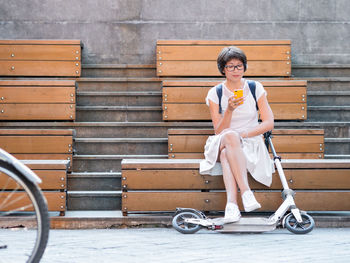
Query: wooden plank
point(224, 42)
point(27, 94)
point(298, 179)
point(56, 201)
point(198, 94)
point(159, 164)
point(51, 180)
point(30, 111)
point(175, 112)
point(203, 83)
point(274, 132)
point(47, 164)
point(40, 52)
point(301, 143)
point(209, 68)
point(40, 42)
point(215, 201)
point(211, 52)
point(36, 132)
point(44, 156)
point(37, 83)
point(313, 164)
point(289, 111)
point(186, 112)
point(281, 154)
point(36, 144)
point(146, 164)
point(40, 68)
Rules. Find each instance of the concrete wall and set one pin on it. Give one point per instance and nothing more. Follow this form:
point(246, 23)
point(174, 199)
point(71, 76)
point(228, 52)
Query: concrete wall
point(125, 31)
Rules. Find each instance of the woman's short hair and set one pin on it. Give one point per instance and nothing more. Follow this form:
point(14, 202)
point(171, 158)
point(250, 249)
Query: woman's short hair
point(229, 53)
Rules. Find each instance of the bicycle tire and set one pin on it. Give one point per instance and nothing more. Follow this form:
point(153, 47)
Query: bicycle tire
point(39, 208)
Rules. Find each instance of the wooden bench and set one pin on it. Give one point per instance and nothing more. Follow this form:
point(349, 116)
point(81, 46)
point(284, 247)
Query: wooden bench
point(38, 144)
point(49, 154)
point(162, 185)
point(37, 100)
point(198, 57)
point(307, 144)
point(47, 58)
point(185, 100)
point(54, 183)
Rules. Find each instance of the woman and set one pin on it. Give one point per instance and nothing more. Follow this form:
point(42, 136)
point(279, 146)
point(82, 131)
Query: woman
point(238, 142)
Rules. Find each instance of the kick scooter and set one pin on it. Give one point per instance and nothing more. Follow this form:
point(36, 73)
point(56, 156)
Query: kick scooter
point(189, 221)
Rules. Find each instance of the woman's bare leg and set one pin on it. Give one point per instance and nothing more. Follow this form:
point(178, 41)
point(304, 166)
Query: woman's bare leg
point(236, 159)
point(229, 179)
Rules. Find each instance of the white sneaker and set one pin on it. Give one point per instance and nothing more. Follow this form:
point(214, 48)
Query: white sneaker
point(249, 201)
point(232, 213)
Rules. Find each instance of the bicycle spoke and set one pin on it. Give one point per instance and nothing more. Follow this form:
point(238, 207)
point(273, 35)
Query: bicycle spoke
point(20, 197)
point(9, 196)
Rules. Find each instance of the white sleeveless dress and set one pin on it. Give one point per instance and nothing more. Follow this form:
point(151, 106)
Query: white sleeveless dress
point(258, 161)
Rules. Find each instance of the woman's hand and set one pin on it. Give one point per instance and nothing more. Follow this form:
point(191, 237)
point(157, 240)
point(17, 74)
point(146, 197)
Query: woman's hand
point(234, 102)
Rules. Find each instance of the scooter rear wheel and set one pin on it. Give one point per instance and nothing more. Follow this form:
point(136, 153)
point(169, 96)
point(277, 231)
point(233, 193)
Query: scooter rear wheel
point(304, 227)
point(183, 227)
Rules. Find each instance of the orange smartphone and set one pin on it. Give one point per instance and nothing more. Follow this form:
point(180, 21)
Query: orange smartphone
point(239, 94)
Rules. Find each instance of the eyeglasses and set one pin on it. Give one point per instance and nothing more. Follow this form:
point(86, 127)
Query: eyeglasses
point(232, 67)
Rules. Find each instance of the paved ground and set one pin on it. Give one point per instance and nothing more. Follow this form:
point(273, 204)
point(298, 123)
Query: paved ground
point(167, 245)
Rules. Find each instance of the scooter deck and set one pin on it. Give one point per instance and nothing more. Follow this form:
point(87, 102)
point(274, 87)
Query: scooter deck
point(248, 225)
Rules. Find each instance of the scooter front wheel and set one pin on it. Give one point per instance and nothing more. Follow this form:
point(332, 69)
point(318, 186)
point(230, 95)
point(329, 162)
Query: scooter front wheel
point(184, 227)
point(303, 227)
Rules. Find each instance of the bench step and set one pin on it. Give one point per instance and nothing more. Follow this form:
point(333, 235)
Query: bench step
point(119, 113)
point(49, 58)
point(215, 201)
point(318, 70)
point(323, 98)
point(94, 181)
point(194, 163)
point(121, 145)
point(326, 113)
point(119, 84)
point(120, 98)
point(118, 70)
point(163, 185)
point(105, 163)
point(189, 143)
point(94, 200)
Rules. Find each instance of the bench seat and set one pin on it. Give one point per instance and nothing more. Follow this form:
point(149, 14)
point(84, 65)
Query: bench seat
point(198, 57)
point(184, 100)
point(37, 100)
point(44, 58)
point(307, 143)
point(53, 174)
point(164, 184)
point(38, 144)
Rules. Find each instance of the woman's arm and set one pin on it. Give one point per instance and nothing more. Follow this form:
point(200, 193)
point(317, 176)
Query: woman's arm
point(267, 120)
point(222, 122)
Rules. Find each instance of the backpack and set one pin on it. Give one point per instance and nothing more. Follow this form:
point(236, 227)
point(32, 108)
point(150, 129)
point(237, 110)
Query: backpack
point(252, 87)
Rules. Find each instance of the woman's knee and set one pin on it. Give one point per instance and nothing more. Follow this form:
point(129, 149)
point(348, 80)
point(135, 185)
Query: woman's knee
point(231, 138)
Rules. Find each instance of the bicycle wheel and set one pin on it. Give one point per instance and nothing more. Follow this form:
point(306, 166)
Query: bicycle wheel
point(24, 220)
